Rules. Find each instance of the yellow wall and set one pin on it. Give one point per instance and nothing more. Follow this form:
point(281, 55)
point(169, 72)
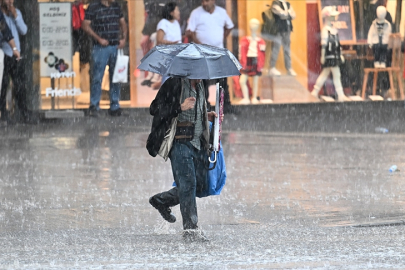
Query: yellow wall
point(254, 9)
point(136, 18)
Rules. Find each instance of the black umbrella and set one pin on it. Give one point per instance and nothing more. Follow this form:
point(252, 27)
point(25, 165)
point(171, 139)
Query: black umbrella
point(189, 60)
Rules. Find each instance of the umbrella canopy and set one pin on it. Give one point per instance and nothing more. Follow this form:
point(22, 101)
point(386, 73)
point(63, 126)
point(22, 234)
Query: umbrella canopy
point(189, 60)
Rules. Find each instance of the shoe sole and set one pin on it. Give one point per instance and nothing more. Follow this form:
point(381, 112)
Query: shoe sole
point(151, 202)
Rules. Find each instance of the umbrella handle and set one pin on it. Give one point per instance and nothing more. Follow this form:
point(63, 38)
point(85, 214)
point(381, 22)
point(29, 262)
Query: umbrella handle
point(215, 157)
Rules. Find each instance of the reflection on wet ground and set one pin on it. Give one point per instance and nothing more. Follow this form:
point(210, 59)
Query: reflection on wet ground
point(76, 197)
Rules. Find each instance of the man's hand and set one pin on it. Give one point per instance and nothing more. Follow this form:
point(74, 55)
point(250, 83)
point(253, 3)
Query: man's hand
point(212, 115)
point(188, 104)
point(322, 60)
point(122, 44)
point(17, 54)
point(12, 10)
point(103, 42)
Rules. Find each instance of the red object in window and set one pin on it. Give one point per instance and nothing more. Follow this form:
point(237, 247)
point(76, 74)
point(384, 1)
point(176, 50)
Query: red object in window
point(77, 15)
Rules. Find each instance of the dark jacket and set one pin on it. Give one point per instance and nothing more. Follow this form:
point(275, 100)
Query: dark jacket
point(282, 25)
point(5, 32)
point(164, 107)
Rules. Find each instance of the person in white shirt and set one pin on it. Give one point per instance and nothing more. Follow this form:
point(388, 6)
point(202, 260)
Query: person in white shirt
point(168, 32)
point(168, 28)
point(210, 24)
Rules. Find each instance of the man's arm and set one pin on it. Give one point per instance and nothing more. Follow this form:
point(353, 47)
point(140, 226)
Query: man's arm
point(291, 12)
point(192, 28)
point(124, 30)
point(228, 26)
point(7, 35)
point(194, 37)
point(5, 30)
point(277, 10)
point(19, 22)
point(87, 28)
point(16, 53)
point(227, 32)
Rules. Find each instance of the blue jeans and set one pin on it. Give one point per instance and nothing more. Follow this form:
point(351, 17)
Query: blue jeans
point(189, 167)
point(100, 58)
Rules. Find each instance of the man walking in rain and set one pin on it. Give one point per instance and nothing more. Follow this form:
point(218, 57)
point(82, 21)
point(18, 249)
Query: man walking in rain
point(184, 99)
point(13, 66)
point(104, 22)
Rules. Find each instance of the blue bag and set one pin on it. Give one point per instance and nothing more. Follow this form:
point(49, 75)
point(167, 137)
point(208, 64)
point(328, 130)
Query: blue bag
point(216, 177)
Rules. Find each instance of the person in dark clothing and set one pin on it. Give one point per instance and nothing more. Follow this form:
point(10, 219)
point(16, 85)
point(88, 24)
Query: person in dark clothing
point(13, 65)
point(182, 99)
point(105, 23)
point(7, 37)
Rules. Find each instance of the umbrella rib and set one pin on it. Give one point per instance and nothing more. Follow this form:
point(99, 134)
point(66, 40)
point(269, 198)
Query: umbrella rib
point(205, 59)
point(185, 47)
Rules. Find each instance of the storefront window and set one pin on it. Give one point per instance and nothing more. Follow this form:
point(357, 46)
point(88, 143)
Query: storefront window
point(64, 56)
point(288, 76)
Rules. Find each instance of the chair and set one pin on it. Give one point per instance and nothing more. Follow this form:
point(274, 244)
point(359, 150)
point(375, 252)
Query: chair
point(395, 44)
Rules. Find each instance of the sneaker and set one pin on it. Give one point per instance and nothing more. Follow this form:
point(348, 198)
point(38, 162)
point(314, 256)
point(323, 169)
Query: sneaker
point(314, 93)
point(254, 101)
point(117, 112)
point(291, 72)
point(93, 113)
point(194, 235)
point(244, 101)
point(164, 211)
point(274, 72)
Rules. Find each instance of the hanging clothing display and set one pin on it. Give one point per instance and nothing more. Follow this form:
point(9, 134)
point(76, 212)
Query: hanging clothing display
point(332, 51)
point(252, 55)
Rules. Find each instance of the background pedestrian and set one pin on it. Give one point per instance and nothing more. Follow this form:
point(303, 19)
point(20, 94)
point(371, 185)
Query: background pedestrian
point(210, 24)
point(14, 66)
point(168, 30)
point(105, 23)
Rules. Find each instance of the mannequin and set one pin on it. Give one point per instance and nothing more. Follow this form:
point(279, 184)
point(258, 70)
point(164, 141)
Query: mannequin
point(331, 57)
point(378, 36)
point(283, 13)
point(252, 55)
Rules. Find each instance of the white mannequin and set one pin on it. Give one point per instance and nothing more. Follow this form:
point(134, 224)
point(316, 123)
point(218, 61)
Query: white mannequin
point(329, 14)
point(381, 13)
point(378, 37)
point(254, 26)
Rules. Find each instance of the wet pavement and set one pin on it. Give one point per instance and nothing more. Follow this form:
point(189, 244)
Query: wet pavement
point(74, 195)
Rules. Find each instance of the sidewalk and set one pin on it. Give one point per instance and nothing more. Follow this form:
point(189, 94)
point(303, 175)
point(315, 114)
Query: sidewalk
point(302, 193)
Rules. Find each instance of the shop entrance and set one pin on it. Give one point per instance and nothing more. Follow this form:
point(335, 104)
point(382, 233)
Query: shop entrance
point(68, 87)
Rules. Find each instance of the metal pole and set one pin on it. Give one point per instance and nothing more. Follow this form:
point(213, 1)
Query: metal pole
point(398, 12)
point(53, 97)
point(361, 19)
